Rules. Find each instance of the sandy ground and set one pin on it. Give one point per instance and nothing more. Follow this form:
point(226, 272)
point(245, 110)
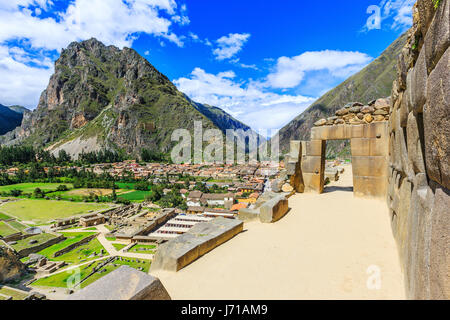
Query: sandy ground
point(328, 246)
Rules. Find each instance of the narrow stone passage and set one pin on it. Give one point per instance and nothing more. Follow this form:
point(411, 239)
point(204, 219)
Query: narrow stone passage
point(326, 247)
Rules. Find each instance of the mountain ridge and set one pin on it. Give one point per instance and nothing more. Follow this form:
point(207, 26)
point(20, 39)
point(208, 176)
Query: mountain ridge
point(102, 97)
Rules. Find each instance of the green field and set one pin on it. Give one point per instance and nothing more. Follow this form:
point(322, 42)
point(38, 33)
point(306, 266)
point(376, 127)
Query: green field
point(13, 293)
point(29, 187)
point(6, 230)
point(143, 248)
point(119, 246)
point(82, 253)
point(17, 225)
point(71, 238)
point(4, 216)
point(125, 185)
point(42, 211)
point(60, 279)
point(135, 195)
point(25, 243)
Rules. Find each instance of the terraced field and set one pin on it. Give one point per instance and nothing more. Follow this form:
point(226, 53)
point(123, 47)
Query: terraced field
point(43, 211)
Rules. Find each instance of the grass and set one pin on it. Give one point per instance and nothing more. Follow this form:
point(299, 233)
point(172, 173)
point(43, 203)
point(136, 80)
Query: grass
point(60, 280)
point(135, 195)
point(110, 238)
point(42, 211)
point(13, 293)
point(83, 252)
point(71, 239)
point(17, 225)
point(119, 246)
point(109, 227)
point(29, 187)
point(4, 216)
point(25, 243)
point(143, 248)
point(125, 185)
point(6, 230)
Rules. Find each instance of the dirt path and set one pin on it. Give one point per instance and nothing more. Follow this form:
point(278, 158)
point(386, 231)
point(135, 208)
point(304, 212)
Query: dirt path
point(329, 246)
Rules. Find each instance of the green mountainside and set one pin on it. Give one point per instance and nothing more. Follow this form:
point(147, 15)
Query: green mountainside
point(374, 81)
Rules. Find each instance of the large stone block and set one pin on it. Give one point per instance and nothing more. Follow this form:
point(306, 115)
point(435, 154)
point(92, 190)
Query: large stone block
point(360, 147)
point(125, 283)
point(370, 147)
point(370, 166)
point(199, 240)
point(295, 149)
point(440, 246)
point(402, 113)
point(437, 39)
point(318, 133)
point(315, 148)
point(273, 210)
point(419, 83)
point(313, 182)
point(312, 164)
point(417, 248)
point(355, 131)
point(374, 187)
point(414, 144)
point(437, 122)
point(376, 129)
point(426, 12)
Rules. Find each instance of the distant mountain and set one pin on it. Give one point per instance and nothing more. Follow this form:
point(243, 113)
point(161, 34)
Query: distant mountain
point(220, 118)
point(19, 109)
point(101, 97)
point(374, 81)
point(10, 117)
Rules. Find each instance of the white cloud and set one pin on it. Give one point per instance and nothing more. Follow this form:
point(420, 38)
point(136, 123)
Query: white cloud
point(21, 84)
point(114, 22)
point(250, 103)
point(289, 72)
point(229, 46)
point(395, 14)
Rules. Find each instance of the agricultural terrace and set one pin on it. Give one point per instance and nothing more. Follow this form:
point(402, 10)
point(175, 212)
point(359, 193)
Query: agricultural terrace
point(8, 292)
point(30, 187)
point(39, 238)
point(60, 279)
point(143, 248)
point(71, 238)
point(43, 211)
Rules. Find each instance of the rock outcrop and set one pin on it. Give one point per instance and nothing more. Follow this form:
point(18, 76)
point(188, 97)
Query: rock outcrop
point(10, 266)
point(419, 176)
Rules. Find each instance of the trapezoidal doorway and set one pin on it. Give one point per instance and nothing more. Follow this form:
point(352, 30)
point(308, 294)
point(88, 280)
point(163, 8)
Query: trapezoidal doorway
point(369, 154)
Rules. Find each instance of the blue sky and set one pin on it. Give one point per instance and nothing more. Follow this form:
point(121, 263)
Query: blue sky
point(262, 61)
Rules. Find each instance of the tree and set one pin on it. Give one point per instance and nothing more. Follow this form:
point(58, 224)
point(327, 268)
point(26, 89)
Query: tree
point(16, 192)
point(62, 187)
point(38, 193)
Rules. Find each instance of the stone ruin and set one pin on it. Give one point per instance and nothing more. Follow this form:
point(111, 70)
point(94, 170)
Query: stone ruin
point(400, 152)
point(418, 194)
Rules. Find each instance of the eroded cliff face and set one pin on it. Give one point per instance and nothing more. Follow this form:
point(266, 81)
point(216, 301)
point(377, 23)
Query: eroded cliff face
point(10, 266)
point(419, 176)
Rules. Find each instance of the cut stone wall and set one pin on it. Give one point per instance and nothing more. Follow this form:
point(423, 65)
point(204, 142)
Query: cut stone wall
point(419, 153)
